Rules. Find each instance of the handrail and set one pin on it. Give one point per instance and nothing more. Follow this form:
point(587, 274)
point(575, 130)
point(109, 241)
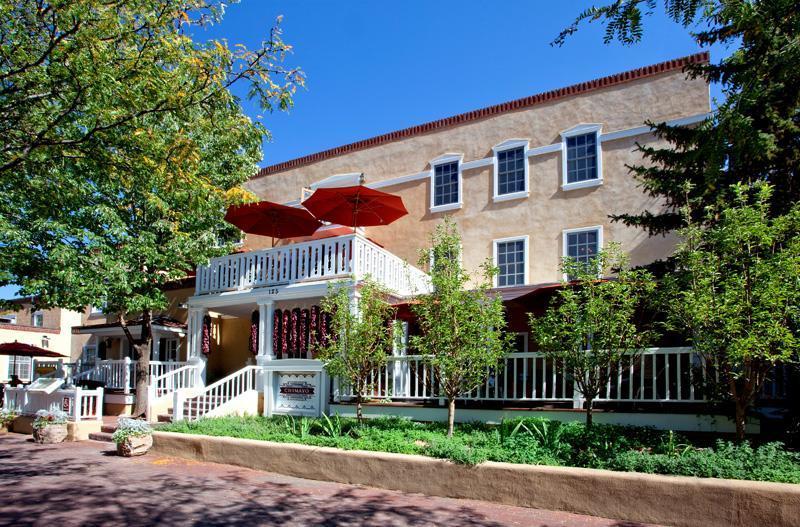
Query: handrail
point(214, 395)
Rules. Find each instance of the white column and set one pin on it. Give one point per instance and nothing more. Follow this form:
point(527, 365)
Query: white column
point(195, 342)
point(400, 367)
point(266, 317)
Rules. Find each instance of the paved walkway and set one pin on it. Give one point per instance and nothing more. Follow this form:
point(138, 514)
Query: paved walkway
point(86, 484)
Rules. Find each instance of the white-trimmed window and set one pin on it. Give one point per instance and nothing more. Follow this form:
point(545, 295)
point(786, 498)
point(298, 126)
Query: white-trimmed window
point(446, 184)
point(8, 319)
point(37, 319)
point(511, 170)
point(583, 244)
point(89, 354)
point(582, 159)
point(19, 366)
point(511, 259)
point(97, 310)
point(520, 343)
point(46, 342)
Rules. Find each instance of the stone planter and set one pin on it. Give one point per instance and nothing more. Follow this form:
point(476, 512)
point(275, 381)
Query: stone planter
point(50, 434)
point(135, 445)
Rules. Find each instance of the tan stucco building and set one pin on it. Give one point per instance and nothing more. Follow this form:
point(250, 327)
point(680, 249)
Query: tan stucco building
point(50, 329)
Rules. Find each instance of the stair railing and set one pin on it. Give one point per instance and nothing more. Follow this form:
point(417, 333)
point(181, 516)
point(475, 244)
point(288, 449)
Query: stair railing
point(214, 395)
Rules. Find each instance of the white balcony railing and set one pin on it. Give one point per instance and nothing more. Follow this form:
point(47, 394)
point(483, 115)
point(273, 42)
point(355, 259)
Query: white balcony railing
point(329, 258)
point(657, 375)
point(121, 374)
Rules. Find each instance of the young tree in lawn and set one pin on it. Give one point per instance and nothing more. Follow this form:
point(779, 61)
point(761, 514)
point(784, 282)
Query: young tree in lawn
point(594, 324)
point(129, 191)
point(462, 326)
point(753, 133)
point(737, 292)
point(358, 341)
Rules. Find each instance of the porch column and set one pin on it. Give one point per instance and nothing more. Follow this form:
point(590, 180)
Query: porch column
point(266, 317)
point(194, 342)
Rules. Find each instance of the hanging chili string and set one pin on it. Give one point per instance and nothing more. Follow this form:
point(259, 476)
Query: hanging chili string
point(206, 336)
point(285, 333)
point(254, 333)
point(303, 334)
point(276, 333)
point(313, 331)
point(295, 353)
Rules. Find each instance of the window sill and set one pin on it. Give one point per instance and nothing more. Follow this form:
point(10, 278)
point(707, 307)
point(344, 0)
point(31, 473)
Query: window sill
point(511, 196)
point(445, 208)
point(589, 183)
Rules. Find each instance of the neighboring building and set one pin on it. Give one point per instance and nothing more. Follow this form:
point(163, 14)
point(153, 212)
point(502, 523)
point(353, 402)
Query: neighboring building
point(50, 329)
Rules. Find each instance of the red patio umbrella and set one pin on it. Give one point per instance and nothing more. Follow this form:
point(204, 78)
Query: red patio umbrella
point(19, 349)
point(272, 219)
point(356, 206)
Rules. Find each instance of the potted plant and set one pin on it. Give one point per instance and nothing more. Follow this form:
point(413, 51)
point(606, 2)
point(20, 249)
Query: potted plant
point(7, 417)
point(50, 426)
point(133, 437)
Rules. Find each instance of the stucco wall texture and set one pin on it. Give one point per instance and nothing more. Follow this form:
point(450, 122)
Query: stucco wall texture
point(548, 210)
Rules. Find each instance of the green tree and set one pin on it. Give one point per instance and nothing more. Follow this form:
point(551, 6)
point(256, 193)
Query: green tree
point(462, 327)
point(594, 325)
point(127, 146)
point(359, 340)
point(754, 132)
point(737, 292)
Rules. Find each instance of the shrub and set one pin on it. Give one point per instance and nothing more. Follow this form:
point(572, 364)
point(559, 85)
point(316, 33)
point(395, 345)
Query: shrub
point(7, 416)
point(130, 428)
point(49, 417)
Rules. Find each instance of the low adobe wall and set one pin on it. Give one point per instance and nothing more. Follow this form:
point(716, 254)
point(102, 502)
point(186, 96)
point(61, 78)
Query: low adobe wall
point(670, 500)
point(75, 431)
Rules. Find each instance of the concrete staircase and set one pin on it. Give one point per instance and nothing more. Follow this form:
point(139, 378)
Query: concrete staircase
point(106, 431)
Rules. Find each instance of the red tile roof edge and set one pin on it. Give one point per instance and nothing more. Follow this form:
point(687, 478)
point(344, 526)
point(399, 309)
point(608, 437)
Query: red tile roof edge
point(532, 100)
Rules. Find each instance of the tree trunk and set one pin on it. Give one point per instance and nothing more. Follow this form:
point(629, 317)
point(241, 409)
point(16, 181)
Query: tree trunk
point(741, 419)
point(589, 408)
point(451, 416)
point(142, 348)
point(359, 409)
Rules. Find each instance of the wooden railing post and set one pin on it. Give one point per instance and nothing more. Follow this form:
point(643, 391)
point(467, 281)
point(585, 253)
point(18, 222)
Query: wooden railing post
point(177, 405)
point(98, 401)
point(76, 410)
point(127, 378)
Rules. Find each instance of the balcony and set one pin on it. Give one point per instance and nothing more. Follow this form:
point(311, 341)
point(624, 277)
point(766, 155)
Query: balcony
point(326, 259)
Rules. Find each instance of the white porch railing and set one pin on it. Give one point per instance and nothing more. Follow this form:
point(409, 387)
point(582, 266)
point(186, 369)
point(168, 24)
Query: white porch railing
point(121, 374)
point(328, 258)
point(211, 400)
point(657, 375)
point(81, 404)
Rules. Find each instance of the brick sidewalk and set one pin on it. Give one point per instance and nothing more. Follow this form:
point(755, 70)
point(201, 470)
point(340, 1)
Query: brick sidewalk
point(86, 484)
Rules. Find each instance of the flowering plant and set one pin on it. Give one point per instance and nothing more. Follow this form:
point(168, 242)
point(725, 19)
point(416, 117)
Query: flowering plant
point(49, 417)
point(7, 416)
point(130, 428)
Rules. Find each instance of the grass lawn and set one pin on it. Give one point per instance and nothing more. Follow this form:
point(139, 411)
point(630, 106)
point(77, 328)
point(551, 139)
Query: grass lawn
point(532, 441)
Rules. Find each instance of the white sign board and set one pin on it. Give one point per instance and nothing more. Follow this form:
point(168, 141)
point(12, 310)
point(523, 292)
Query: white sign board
point(295, 387)
point(46, 385)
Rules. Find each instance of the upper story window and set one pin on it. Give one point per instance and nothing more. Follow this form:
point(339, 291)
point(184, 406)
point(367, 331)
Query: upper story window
point(8, 319)
point(511, 170)
point(582, 157)
point(583, 245)
point(37, 319)
point(97, 310)
point(510, 257)
point(446, 189)
point(46, 342)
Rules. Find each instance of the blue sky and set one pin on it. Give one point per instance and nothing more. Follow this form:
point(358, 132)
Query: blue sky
point(377, 66)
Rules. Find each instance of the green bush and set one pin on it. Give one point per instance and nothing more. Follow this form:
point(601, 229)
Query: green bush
point(534, 441)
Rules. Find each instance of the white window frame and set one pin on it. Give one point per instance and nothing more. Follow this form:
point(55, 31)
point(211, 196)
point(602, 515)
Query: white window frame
point(96, 310)
point(502, 147)
point(567, 232)
point(17, 359)
point(45, 342)
point(526, 338)
point(33, 319)
point(442, 160)
point(12, 318)
point(524, 240)
point(85, 354)
point(582, 129)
